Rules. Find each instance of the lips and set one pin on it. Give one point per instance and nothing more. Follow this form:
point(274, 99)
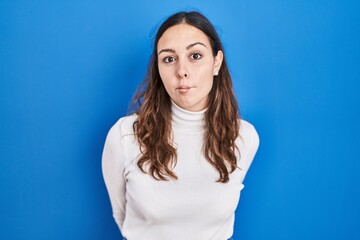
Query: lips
point(183, 88)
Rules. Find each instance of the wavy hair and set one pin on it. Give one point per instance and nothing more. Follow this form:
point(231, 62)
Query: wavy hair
point(153, 127)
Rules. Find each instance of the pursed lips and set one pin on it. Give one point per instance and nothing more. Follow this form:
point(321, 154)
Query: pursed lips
point(183, 88)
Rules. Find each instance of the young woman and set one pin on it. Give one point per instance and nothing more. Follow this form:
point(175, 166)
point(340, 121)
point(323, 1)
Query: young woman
point(175, 168)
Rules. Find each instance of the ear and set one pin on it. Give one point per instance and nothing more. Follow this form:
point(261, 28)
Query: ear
point(218, 61)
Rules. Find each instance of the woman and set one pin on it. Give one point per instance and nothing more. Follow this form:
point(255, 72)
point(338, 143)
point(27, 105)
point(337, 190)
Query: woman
point(174, 169)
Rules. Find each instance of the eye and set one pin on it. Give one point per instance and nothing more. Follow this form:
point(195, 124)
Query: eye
point(168, 59)
point(195, 56)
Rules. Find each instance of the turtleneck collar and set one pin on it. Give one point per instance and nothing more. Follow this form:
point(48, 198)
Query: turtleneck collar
point(186, 119)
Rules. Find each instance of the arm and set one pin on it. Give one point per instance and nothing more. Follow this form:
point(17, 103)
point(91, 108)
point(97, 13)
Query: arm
point(249, 145)
point(113, 165)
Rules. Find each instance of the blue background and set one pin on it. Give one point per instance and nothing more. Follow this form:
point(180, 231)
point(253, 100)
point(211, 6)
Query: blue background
point(69, 68)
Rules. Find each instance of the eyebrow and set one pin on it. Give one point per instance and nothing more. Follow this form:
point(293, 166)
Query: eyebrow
point(167, 50)
point(193, 44)
point(187, 48)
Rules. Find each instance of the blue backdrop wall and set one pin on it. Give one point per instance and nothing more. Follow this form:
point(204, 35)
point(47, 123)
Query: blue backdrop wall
point(69, 68)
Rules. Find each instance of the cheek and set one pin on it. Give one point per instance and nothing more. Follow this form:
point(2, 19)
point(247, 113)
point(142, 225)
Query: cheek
point(207, 79)
point(166, 78)
point(165, 75)
point(209, 85)
point(204, 74)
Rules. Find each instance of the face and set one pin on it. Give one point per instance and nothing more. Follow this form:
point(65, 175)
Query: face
point(187, 66)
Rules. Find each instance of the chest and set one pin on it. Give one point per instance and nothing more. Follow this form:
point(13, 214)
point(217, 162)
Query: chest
point(194, 195)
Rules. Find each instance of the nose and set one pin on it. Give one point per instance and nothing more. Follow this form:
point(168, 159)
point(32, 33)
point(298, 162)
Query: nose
point(182, 71)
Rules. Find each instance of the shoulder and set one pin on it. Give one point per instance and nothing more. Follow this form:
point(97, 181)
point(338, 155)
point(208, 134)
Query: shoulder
point(247, 129)
point(123, 126)
point(248, 135)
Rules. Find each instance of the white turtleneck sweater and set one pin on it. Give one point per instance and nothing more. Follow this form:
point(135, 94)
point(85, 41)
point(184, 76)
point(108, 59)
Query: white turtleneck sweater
point(194, 206)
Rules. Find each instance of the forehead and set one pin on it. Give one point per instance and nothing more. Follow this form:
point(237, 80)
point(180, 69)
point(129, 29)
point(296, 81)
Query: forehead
point(182, 35)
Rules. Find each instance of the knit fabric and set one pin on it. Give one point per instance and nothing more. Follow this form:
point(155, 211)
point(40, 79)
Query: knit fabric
point(194, 206)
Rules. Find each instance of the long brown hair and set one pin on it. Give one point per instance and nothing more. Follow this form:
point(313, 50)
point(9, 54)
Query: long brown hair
point(153, 125)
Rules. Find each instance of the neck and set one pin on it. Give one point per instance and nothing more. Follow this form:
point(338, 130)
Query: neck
point(187, 119)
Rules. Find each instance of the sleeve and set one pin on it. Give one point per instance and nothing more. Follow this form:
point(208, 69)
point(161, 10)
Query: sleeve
point(113, 166)
point(250, 142)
